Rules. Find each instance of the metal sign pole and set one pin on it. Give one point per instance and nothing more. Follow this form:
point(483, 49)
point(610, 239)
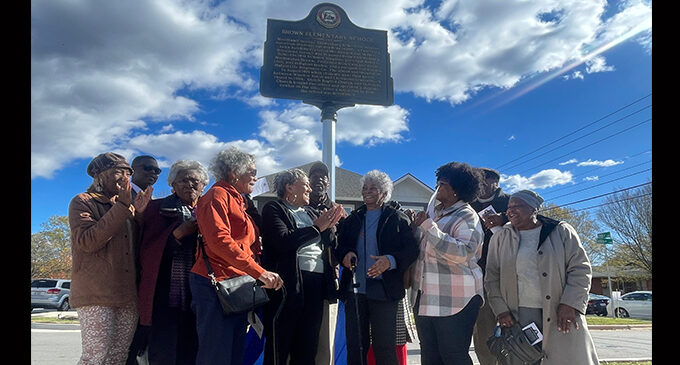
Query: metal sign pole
point(609, 281)
point(605, 239)
point(328, 118)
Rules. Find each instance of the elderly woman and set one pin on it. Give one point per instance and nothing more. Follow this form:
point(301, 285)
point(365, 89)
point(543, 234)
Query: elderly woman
point(103, 223)
point(377, 242)
point(166, 257)
point(538, 271)
point(447, 284)
point(230, 238)
point(296, 243)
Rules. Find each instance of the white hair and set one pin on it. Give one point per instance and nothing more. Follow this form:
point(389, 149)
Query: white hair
point(191, 165)
point(228, 160)
point(382, 182)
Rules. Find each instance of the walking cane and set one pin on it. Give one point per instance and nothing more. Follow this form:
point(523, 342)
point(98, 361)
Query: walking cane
point(355, 286)
point(276, 316)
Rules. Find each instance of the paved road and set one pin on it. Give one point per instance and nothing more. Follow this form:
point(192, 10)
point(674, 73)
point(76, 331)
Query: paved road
point(60, 345)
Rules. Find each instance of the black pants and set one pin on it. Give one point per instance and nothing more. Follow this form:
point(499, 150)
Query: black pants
point(446, 340)
point(173, 338)
point(298, 324)
point(377, 322)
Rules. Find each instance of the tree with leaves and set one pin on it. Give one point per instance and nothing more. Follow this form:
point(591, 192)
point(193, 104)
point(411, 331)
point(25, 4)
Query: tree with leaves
point(585, 226)
point(51, 249)
point(628, 214)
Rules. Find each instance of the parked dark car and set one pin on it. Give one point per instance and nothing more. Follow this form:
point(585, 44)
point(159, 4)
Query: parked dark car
point(597, 304)
point(50, 293)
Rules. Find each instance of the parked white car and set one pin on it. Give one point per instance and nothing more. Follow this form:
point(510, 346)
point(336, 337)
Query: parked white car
point(636, 304)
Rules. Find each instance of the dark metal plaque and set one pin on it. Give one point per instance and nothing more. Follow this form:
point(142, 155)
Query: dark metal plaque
point(326, 58)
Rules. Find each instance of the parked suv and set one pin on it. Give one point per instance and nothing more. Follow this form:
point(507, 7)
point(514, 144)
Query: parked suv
point(50, 293)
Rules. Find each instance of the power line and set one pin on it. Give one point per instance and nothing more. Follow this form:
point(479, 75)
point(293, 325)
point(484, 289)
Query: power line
point(613, 202)
point(589, 145)
point(578, 130)
point(595, 197)
point(602, 167)
point(607, 182)
point(577, 139)
point(615, 172)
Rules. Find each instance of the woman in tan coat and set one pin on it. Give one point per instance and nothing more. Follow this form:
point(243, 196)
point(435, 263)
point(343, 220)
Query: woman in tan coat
point(538, 271)
point(103, 290)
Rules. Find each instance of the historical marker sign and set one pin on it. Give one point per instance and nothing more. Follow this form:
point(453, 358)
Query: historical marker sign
point(326, 58)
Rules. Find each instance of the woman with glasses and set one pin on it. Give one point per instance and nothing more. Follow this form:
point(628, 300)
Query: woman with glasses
point(446, 287)
point(231, 242)
point(296, 241)
point(377, 243)
point(166, 256)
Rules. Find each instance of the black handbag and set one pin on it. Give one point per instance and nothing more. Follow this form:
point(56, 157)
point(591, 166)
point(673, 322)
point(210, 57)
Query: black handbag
point(238, 294)
point(510, 346)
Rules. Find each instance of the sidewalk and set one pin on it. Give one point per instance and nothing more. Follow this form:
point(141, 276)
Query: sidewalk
point(412, 348)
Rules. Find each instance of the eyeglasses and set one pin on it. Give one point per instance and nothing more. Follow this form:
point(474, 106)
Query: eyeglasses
point(441, 182)
point(153, 169)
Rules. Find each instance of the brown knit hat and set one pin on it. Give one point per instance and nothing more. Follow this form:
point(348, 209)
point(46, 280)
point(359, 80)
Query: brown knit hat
point(107, 161)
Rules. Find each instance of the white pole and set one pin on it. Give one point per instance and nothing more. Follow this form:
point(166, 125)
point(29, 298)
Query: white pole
point(609, 281)
point(328, 154)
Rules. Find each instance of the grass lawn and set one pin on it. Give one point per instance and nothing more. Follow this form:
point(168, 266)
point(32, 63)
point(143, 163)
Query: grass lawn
point(595, 320)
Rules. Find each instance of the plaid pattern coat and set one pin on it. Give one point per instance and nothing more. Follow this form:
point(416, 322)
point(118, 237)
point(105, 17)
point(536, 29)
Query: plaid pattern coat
point(446, 272)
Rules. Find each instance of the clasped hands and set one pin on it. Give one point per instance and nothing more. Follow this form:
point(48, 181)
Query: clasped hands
point(566, 316)
point(329, 218)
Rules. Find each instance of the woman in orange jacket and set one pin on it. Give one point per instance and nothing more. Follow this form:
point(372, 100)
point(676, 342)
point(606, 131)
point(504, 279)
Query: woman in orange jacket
point(231, 241)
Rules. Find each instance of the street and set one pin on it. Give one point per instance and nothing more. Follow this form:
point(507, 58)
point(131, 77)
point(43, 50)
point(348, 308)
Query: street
point(59, 344)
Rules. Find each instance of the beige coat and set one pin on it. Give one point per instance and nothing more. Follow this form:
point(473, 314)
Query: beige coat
point(103, 271)
point(565, 278)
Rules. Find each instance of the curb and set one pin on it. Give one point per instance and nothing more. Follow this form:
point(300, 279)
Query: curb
point(641, 359)
point(620, 327)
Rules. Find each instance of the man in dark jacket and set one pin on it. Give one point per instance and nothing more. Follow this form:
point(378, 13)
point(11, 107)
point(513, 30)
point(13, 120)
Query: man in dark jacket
point(491, 196)
point(319, 201)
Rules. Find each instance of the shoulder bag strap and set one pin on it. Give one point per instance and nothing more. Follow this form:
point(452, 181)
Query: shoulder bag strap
point(205, 259)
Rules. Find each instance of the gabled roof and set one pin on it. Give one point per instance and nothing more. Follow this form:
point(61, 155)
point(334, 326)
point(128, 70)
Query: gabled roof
point(408, 176)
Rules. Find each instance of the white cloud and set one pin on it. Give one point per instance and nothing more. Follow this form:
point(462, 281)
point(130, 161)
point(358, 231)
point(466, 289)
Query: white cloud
point(598, 64)
point(574, 75)
point(591, 178)
point(103, 72)
point(605, 163)
point(568, 162)
point(295, 133)
point(511, 138)
point(541, 180)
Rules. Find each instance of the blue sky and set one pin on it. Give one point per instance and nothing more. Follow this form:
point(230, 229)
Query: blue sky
point(478, 81)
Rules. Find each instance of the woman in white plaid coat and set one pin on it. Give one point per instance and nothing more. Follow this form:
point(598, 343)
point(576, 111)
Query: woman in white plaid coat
point(447, 281)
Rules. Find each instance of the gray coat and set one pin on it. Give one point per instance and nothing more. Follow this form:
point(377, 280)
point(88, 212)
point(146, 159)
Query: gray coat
point(565, 278)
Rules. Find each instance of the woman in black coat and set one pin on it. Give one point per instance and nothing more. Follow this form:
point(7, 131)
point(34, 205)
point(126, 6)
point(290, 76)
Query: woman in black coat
point(378, 243)
point(297, 243)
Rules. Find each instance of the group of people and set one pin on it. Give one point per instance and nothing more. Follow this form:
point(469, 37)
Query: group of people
point(475, 259)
